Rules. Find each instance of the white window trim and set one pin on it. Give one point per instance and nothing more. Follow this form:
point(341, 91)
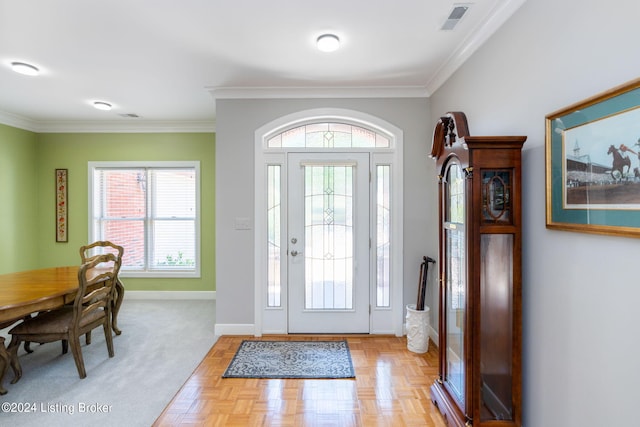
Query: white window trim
point(150, 164)
point(264, 155)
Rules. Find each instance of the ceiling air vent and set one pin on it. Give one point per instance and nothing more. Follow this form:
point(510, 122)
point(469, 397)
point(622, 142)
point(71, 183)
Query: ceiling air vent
point(455, 16)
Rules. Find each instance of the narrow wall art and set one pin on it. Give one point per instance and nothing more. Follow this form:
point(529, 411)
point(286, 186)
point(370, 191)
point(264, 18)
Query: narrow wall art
point(61, 206)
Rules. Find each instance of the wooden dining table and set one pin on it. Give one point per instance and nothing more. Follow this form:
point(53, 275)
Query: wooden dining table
point(27, 292)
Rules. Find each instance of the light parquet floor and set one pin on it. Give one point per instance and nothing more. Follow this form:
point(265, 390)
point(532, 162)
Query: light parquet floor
point(391, 388)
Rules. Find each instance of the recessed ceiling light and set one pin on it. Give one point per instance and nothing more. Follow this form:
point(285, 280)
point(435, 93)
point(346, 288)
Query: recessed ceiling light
point(24, 68)
point(101, 105)
point(328, 42)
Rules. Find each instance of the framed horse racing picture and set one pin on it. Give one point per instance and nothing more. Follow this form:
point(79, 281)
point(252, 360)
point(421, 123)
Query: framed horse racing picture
point(593, 164)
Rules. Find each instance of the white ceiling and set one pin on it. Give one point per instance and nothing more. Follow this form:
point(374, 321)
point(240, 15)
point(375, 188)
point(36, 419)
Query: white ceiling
point(168, 60)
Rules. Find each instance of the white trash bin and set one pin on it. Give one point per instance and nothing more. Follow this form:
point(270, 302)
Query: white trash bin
point(417, 323)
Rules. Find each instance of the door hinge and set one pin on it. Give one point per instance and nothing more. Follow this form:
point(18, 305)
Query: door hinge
point(369, 308)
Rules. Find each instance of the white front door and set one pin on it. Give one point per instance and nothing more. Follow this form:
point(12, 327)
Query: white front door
point(328, 242)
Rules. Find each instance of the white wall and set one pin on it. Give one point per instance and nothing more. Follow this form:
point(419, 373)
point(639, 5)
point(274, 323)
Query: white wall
point(581, 291)
point(236, 122)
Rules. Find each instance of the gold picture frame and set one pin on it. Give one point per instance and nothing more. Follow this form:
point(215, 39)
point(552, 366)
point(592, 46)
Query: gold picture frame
point(593, 164)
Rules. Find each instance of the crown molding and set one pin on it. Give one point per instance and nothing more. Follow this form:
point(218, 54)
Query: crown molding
point(19, 122)
point(108, 126)
point(136, 126)
point(494, 20)
point(318, 92)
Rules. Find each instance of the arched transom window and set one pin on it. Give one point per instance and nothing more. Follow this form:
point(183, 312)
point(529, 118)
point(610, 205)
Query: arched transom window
point(328, 135)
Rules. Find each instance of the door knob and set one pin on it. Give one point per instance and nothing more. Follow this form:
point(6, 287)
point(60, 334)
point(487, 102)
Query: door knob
point(295, 253)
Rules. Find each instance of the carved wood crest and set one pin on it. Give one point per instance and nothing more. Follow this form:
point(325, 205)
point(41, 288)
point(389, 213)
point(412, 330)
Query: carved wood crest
point(448, 130)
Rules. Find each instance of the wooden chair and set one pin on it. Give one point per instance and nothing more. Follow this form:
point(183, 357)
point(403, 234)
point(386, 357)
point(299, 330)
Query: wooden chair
point(106, 246)
point(91, 308)
point(86, 255)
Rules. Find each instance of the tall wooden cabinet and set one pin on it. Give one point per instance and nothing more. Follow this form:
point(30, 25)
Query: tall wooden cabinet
point(480, 246)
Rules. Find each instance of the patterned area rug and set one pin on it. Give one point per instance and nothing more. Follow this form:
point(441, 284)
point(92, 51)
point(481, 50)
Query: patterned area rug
point(291, 359)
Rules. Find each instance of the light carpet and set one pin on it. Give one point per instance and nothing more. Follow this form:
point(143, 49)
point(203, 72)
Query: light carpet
point(162, 343)
point(291, 359)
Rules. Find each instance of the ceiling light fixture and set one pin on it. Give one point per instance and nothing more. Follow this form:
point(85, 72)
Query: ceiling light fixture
point(100, 105)
point(24, 68)
point(328, 42)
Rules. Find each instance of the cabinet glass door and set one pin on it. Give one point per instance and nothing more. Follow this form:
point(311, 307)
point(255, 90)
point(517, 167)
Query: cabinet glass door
point(496, 299)
point(455, 275)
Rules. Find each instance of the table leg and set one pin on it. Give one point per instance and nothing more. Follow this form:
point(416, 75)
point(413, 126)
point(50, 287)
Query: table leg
point(116, 306)
point(4, 364)
point(13, 358)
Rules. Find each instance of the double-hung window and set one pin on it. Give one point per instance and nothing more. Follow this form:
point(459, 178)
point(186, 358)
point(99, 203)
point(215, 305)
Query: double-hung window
point(152, 209)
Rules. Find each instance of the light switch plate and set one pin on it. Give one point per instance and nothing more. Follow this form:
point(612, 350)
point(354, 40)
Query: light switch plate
point(242, 223)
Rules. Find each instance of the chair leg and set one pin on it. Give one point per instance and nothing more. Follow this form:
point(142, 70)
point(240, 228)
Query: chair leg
point(77, 355)
point(65, 346)
point(27, 344)
point(115, 306)
point(87, 337)
point(108, 336)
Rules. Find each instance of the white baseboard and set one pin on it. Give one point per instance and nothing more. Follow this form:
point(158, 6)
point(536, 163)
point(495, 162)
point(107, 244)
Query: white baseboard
point(166, 295)
point(249, 329)
point(433, 334)
point(237, 329)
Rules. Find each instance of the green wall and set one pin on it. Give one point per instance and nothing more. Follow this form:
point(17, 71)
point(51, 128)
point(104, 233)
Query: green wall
point(72, 151)
point(18, 200)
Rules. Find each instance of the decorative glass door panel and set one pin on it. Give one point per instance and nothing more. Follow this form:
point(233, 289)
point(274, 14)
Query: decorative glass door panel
point(456, 280)
point(328, 223)
point(328, 231)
